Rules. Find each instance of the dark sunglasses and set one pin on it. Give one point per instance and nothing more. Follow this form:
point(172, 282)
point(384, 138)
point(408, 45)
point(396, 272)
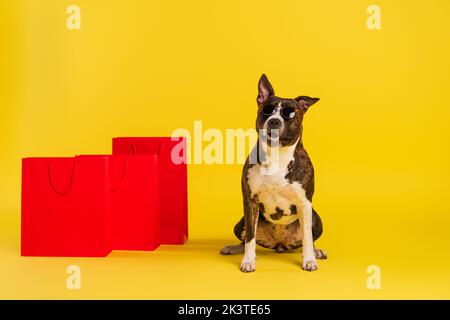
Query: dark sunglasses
point(286, 112)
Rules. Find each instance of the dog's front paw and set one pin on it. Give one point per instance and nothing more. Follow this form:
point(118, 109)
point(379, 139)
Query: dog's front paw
point(248, 265)
point(309, 264)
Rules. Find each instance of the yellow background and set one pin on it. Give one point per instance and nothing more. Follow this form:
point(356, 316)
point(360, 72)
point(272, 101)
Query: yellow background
point(379, 137)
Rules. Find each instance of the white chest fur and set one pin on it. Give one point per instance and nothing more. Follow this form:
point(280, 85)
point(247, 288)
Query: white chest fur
point(268, 182)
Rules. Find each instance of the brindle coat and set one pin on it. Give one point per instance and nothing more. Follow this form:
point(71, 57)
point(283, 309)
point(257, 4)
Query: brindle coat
point(277, 236)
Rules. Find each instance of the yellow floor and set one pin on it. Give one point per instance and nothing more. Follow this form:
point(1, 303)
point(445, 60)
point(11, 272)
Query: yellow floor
point(197, 271)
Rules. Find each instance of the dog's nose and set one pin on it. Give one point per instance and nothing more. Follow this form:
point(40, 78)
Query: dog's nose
point(274, 123)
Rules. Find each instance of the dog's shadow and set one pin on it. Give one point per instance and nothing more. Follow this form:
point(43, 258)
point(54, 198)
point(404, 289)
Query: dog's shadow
point(292, 257)
point(211, 248)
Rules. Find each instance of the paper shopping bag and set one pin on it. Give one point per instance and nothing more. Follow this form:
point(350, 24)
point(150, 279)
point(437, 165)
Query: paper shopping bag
point(134, 202)
point(89, 205)
point(65, 207)
point(173, 204)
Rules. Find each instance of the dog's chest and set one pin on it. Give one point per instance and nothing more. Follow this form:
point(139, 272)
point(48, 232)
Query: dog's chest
point(279, 198)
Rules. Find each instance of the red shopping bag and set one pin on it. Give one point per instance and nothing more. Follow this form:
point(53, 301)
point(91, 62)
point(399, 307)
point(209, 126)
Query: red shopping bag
point(172, 181)
point(65, 207)
point(89, 205)
point(134, 202)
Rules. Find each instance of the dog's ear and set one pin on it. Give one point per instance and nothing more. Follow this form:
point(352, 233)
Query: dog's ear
point(305, 102)
point(265, 90)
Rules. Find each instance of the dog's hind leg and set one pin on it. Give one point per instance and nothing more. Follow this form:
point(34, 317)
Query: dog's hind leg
point(320, 254)
point(233, 249)
point(239, 232)
point(317, 229)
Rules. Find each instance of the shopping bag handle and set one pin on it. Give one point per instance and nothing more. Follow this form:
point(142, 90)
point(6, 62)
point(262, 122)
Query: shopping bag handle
point(52, 184)
point(133, 148)
point(115, 187)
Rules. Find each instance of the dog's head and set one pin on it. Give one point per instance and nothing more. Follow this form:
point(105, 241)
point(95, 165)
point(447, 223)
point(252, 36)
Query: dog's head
point(279, 121)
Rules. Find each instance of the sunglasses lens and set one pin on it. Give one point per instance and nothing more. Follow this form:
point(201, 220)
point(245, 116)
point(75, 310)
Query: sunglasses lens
point(288, 113)
point(268, 110)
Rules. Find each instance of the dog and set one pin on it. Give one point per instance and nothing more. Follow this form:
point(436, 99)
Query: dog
point(278, 184)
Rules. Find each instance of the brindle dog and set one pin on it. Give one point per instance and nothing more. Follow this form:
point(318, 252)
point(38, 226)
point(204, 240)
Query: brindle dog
point(278, 184)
